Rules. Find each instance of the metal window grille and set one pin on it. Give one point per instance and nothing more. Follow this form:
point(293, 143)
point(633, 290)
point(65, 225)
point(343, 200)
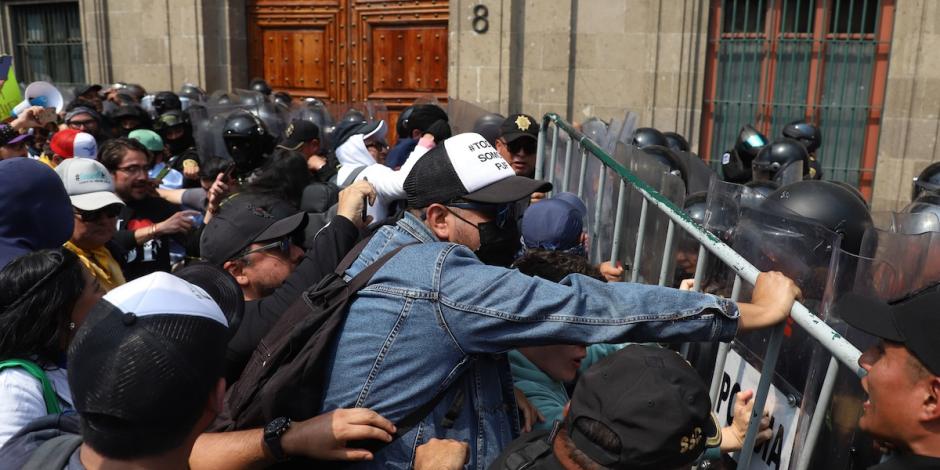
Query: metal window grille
point(48, 43)
point(825, 61)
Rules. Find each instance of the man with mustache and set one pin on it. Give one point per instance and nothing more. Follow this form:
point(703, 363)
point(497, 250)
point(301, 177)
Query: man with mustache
point(147, 222)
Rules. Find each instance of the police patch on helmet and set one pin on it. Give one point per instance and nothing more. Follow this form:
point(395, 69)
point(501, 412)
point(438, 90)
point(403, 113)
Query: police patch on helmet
point(290, 130)
point(523, 123)
point(726, 158)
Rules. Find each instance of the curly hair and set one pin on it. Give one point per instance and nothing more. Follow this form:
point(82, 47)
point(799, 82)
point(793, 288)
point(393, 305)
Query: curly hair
point(555, 265)
point(37, 294)
point(285, 175)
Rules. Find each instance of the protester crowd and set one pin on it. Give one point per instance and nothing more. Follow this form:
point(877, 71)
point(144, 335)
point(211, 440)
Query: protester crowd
point(240, 281)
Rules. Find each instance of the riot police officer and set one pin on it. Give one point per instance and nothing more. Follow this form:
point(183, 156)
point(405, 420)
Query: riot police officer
point(811, 138)
point(248, 142)
point(736, 163)
point(775, 161)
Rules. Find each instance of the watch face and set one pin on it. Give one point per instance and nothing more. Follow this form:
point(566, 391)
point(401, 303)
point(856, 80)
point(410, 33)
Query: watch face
point(276, 426)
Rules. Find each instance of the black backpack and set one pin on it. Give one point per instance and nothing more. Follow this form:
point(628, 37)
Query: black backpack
point(286, 372)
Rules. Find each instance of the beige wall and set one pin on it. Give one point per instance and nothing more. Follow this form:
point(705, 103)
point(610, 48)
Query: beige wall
point(162, 44)
point(911, 124)
point(646, 56)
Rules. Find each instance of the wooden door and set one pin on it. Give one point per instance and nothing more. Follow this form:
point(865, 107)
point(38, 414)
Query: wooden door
point(350, 51)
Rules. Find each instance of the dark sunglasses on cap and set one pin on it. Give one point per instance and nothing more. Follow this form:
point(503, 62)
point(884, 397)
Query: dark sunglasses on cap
point(283, 245)
point(527, 146)
point(110, 211)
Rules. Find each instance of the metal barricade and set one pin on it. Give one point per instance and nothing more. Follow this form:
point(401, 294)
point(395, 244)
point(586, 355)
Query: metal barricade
point(580, 147)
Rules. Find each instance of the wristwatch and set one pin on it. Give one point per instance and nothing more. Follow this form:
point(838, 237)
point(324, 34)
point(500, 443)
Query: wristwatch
point(272, 437)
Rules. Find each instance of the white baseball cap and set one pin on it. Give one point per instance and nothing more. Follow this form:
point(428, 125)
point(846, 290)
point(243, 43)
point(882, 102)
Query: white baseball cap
point(88, 184)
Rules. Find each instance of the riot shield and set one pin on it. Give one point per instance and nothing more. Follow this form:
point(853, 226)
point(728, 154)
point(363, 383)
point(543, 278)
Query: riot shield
point(700, 174)
point(596, 130)
point(209, 120)
point(373, 110)
point(428, 99)
point(840, 444)
point(917, 254)
point(906, 223)
point(462, 115)
point(658, 177)
point(315, 111)
point(804, 251)
point(790, 173)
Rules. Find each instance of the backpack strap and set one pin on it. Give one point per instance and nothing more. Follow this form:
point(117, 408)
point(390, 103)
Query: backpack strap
point(54, 453)
point(48, 393)
point(353, 175)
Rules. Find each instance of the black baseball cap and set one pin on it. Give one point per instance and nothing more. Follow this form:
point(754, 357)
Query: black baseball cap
point(220, 285)
point(517, 126)
point(299, 132)
point(141, 345)
point(911, 321)
point(85, 88)
point(654, 401)
point(245, 219)
point(422, 116)
point(466, 167)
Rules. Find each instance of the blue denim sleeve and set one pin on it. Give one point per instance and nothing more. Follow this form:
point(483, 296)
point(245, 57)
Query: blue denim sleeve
point(489, 309)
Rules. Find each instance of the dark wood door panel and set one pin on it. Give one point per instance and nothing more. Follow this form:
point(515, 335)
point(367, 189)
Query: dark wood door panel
point(350, 51)
point(296, 46)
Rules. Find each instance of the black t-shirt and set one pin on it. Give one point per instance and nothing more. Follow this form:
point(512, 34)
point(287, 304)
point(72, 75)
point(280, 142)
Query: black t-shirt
point(328, 249)
point(909, 462)
point(534, 447)
point(154, 255)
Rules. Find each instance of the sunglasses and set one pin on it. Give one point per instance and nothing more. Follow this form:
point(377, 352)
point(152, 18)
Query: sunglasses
point(527, 146)
point(380, 146)
point(93, 216)
point(502, 214)
point(283, 244)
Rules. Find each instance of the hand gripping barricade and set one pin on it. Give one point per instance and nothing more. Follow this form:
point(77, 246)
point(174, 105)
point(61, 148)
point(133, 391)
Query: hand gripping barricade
point(830, 342)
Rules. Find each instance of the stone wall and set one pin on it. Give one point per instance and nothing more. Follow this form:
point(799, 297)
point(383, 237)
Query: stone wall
point(161, 44)
point(911, 123)
point(583, 58)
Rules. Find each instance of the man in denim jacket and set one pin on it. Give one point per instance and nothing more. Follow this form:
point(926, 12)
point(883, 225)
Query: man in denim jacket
point(436, 318)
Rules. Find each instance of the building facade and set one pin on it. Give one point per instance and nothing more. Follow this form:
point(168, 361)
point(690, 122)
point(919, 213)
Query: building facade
point(865, 70)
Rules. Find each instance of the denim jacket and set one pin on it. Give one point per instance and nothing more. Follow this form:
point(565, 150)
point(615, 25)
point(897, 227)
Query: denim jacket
point(435, 316)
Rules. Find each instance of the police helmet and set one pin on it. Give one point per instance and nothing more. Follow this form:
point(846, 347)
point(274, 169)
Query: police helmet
point(646, 136)
point(260, 85)
point(667, 157)
point(828, 204)
point(927, 181)
point(695, 206)
point(488, 125)
point(926, 202)
point(778, 155)
point(806, 133)
point(749, 143)
point(192, 92)
point(166, 101)
point(283, 99)
point(247, 140)
point(401, 127)
point(169, 120)
point(676, 142)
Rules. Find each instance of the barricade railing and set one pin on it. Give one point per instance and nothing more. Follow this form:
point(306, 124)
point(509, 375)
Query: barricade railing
point(840, 348)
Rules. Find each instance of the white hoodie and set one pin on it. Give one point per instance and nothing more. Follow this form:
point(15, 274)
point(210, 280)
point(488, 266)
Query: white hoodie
point(388, 183)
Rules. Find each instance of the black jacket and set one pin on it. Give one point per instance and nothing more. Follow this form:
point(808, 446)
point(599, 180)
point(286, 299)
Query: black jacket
point(328, 249)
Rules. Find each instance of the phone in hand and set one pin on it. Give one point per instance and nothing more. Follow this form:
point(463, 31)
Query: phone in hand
point(166, 168)
point(46, 116)
point(365, 203)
